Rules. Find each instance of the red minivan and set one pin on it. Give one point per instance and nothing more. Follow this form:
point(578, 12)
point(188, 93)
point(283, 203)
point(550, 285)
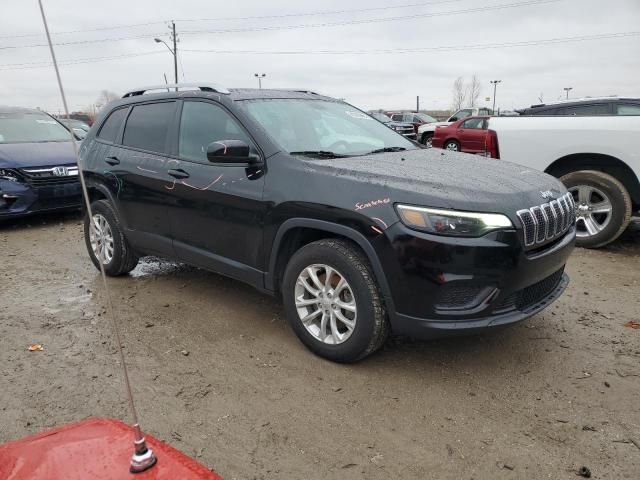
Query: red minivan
point(466, 135)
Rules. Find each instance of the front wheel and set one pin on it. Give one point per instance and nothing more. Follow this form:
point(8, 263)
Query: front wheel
point(603, 207)
point(106, 242)
point(427, 139)
point(332, 301)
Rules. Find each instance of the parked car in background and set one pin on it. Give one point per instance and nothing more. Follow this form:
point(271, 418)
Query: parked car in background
point(467, 135)
point(402, 128)
point(589, 106)
point(76, 126)
point(425, 132)
point(416, 119)
point(38, 169)
point(596, 157)
point(359, 230)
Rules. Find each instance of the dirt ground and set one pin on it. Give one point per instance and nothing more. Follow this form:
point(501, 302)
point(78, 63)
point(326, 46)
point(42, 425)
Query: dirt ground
point(218, 374)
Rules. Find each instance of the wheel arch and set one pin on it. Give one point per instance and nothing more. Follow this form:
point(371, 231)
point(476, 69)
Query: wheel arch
point(604, 163)
point(297, 232)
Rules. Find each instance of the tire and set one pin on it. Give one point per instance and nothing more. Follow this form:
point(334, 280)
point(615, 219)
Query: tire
point(371, 326)
point(451, 145)
point(598, 229)
point(426, 138)
point(123, 258)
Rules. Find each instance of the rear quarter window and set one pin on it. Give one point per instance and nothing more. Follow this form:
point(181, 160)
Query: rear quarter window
point(110, 128)
point(147, 127)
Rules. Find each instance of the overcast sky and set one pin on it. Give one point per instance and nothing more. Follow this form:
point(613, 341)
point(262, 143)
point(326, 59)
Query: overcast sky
point(368, 80)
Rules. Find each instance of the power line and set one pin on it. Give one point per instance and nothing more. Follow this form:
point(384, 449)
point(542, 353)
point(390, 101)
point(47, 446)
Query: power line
point(88, 30)
point(321, 13)
point(77, 61)
point(373, 20)
point(255, 17)
point(445, 48)
point(290, 27)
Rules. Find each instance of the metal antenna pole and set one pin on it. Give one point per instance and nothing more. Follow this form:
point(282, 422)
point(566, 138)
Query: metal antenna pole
point(143, 457)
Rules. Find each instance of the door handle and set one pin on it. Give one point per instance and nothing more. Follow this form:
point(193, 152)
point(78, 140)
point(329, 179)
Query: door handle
point(178, 173)
point(112, 160)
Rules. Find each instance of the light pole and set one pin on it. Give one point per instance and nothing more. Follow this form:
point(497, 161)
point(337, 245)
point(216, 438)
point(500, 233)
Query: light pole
point(260, 77)
point(568, 89)
point(495, 85)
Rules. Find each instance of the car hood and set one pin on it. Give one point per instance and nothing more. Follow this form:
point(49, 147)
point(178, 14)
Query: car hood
point(399, 124)
point(432, 126)
point(20, 155)
point(441, 179)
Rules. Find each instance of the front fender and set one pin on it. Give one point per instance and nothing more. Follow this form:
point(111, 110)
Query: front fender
point(337, 229)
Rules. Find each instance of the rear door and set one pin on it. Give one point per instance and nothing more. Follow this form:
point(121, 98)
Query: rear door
point(216, 210)
point(471, 135)
point(141, 174)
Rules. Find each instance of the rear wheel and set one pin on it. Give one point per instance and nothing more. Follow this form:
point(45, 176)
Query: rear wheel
point(426, 139)
point(452, 145)
point(603, 207)
point(332, 301)
point(106, 242)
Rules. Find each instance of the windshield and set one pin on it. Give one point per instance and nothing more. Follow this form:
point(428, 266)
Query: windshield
point(381, 117)
point(426, 118)
point(26, 127)
point(323, 126)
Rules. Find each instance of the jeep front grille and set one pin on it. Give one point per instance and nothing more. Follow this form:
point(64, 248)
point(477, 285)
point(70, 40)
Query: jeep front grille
point(547, 221)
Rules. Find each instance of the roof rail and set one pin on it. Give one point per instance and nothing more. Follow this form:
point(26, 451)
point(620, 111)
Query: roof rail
point(205, 87)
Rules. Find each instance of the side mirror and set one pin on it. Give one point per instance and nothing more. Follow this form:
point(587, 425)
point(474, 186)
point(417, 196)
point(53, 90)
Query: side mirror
point(230, 151)
point(79, 133)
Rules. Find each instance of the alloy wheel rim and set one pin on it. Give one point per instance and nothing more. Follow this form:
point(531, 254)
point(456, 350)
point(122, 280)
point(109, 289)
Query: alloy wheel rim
point(101, 239)
point(452, 146)
point(325, 304)
point(593, 210)
point(428, 142)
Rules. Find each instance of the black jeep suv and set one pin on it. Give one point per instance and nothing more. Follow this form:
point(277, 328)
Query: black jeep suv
point(360, 230)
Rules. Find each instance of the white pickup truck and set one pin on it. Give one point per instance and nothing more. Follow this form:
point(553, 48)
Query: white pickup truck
point(597, 158)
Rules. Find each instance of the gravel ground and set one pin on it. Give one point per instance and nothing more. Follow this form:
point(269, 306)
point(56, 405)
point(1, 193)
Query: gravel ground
point(218, 374)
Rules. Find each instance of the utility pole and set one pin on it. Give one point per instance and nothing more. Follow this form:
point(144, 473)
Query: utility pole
point(175, 50)
point(418, 104)
point(495, 85)
point(568, 89)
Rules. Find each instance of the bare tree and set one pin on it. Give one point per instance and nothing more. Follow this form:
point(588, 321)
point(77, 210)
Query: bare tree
point(106, 96)
point(459, 94)
point(473, 91)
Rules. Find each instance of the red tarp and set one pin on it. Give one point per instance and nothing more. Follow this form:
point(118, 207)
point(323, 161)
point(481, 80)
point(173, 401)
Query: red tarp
point(97, 449)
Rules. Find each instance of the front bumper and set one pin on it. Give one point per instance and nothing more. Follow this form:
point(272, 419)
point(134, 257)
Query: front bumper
point(446, 285)
point(19, 199)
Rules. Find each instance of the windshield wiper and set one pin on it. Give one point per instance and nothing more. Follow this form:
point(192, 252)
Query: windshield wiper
point(387, 149)
point(319, 154)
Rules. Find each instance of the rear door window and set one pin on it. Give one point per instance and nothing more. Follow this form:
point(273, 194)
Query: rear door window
point(476, 123)
point(147, 127)
point(111, 127)
point(627, 109)
point(586, 110)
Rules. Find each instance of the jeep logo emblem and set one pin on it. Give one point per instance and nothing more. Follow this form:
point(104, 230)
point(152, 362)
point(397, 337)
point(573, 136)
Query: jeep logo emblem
point(547, 194)
point(60, 171)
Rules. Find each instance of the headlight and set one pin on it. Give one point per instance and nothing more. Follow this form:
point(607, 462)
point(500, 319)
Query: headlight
point(452, 222)
point(8, 175)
